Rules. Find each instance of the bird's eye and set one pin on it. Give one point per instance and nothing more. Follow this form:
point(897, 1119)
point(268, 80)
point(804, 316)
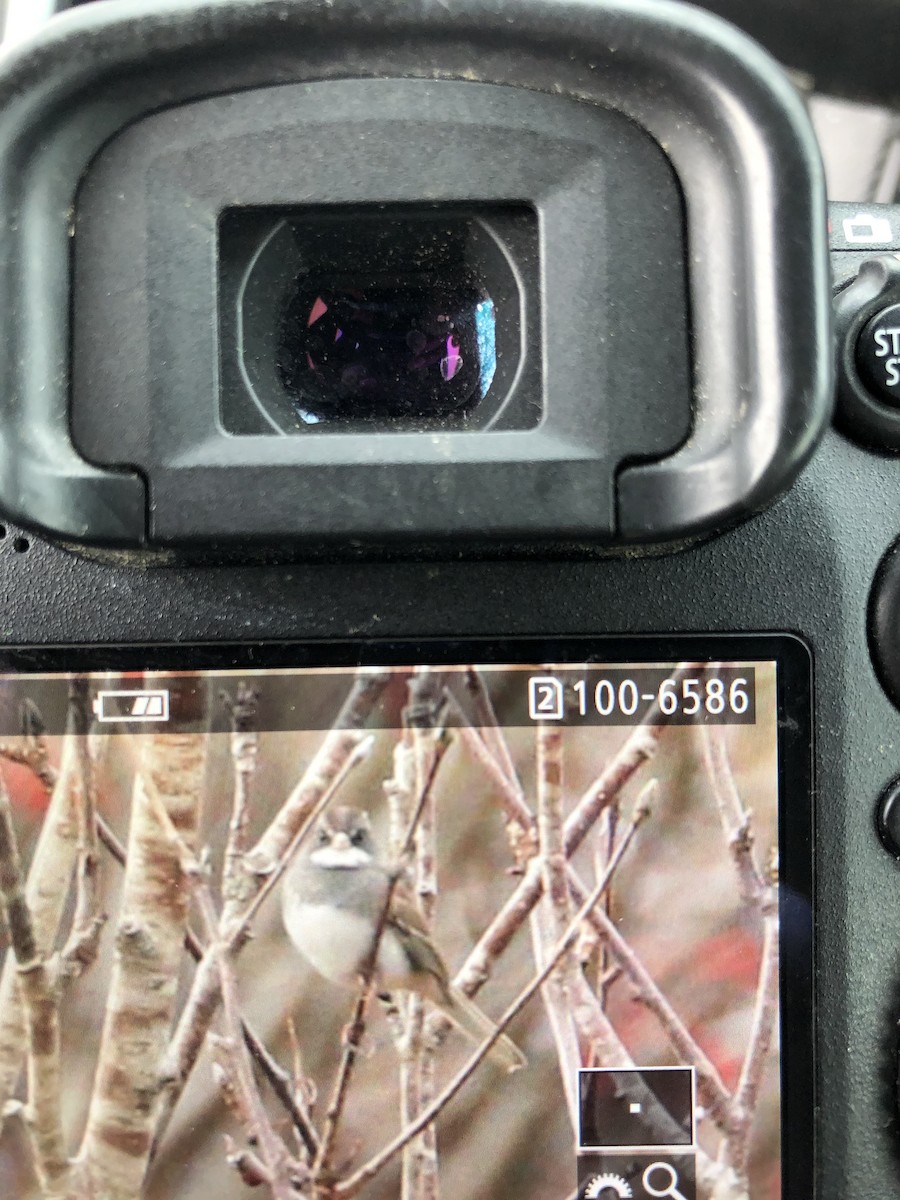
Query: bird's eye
point(358, 836)
point(324, 837)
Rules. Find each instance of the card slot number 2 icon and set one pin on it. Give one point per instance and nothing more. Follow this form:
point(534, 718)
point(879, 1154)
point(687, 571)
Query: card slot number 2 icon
point(546, 698)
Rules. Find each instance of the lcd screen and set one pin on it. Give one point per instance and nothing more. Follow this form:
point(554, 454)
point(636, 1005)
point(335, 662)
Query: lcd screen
point(524, 921)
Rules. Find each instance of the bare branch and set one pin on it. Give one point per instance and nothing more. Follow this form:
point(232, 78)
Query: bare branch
point(765, 1019)
point(244, 751)
point(32, 751)
point(404, 1014)
point(519, 818)
point(637, 749)
point(419, 1179)
point(46, 892)
point(44, 1112)
point(277, 1077)
point(711, 1091)
point(285, 1174)
point(339, 743)
point(489, 726)
point(149, 943)
point(282, 838)
point(281, 1082)
point(352, 1185)
point(83, 942)
point(737, 821)
point(248, 1166)
point(355, 1030)
point(759, 896)
point(554, 912)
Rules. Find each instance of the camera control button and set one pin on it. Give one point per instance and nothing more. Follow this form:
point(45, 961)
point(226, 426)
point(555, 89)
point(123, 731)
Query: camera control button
point(878, 355)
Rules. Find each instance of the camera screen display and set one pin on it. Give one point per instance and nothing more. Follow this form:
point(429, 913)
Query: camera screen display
point(524, 921)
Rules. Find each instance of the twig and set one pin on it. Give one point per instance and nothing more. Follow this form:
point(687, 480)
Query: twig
point(285, 1174)
point(489, 726)
point(587, 1012)
point(552, 915)
point(280, 1083)
point(33, 757)
point(250, 1168)
point(33, 751)
point(607, 974)
point(519, 818)
point(419, 1179)
point(737, 821)
point(44, 1112)
point(403, 1014)
point(355, 1182)
point(368, 978)
point(83, 942)
point(244, 751)
point(711, 1091)
point(338, 745)
point(765, 1018)
point(638, 748)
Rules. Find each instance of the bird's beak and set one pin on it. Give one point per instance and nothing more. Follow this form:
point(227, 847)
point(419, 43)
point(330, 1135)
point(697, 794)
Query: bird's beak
point(340, 842)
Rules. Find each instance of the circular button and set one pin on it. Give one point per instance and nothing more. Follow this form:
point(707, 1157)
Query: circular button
point(887, 819)
point(878, 355)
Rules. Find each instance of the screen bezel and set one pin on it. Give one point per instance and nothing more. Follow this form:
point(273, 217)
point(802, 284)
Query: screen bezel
point(794, 690)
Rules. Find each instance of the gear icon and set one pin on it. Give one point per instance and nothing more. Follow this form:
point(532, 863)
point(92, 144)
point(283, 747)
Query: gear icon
point(613, 1183)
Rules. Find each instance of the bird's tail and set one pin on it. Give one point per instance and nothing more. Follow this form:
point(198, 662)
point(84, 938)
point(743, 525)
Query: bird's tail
point(467, 1016)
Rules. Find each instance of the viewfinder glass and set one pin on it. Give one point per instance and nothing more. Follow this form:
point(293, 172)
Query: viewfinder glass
point(378, 318)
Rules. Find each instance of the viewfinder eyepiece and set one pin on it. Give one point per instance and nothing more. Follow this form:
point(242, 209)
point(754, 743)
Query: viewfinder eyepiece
point(395, 317)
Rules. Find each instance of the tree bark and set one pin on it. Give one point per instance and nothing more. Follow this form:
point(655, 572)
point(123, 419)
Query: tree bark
point(149, 952)
point(46, 891)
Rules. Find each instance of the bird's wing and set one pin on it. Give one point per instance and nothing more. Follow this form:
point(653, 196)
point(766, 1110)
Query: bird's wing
point(406, 921)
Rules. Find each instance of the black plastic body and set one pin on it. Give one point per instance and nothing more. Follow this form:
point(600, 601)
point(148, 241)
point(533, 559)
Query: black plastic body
point(734, 133)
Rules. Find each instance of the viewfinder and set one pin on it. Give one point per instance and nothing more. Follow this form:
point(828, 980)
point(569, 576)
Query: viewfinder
point(376, 318)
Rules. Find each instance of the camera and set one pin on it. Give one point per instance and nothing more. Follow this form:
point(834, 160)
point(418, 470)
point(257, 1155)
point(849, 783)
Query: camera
point(449, 685)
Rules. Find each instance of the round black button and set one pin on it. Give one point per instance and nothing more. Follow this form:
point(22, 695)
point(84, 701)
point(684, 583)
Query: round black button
point(888, 819)
point(878, 355)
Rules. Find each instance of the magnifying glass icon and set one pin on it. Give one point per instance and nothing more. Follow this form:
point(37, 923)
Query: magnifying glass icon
point(661, 1180)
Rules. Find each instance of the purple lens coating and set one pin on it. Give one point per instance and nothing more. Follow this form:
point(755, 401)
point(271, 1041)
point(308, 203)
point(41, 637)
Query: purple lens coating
point(417, 346)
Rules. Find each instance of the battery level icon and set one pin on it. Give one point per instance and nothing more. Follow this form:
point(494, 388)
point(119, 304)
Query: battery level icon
point(132, 706)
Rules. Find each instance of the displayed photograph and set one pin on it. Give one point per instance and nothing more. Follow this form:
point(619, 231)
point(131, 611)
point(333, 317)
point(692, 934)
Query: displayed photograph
point(460, 932)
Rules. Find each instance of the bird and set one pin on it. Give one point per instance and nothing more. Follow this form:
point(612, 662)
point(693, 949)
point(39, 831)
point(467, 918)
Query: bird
point(333, 898)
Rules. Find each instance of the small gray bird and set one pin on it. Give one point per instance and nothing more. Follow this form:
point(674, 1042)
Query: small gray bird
point(332, 901)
